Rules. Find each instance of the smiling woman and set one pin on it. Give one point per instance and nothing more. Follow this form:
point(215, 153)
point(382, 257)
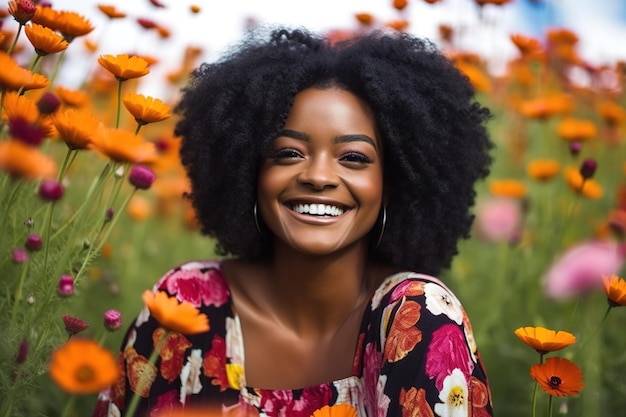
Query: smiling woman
point(334, 177)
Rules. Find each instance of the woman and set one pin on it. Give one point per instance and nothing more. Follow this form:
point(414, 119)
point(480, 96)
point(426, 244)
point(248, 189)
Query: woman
point(327, 173)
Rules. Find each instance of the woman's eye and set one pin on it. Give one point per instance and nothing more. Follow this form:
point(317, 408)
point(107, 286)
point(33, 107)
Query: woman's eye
point(356, 157)
point(287, 153)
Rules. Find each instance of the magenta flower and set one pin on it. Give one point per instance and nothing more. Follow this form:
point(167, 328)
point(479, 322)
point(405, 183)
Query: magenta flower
point(24, 131)
point(22, 352)
point(19, 256)
point(66, 286)
point(141, 177)
point(580, 269)
point(112, 320)
point(588, 168)
point(33, 242)
point(50, 190)
point(74, 325)
point(48, 103)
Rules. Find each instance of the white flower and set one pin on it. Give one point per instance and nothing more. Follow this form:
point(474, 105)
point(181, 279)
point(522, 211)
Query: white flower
point(190, 375)
point(234, 341)
point(441, 301)
point(454, 396)
point(386, 286)
point(383, 400)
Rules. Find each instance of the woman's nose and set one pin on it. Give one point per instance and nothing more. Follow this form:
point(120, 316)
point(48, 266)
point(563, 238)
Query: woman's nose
point(319, 173)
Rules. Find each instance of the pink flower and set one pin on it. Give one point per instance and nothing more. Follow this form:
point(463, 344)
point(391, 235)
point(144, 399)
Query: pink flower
point(498, 220)
point(112, 320)
point(199, 286)
point(580, 269)
point(448, 351)
point(371, 372)
point(282, 402)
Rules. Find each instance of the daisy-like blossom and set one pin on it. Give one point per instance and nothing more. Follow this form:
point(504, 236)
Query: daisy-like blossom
point(19, 107)
point(146, 109)
point(543, 169)
point(615, 289)
point(22, 10)
point(173, 315)
point(13, 76)
point(25, 161)
point(124, 67)
point(111, 12)
point(453, 396)
point(82, 366)
point(36, 82)
point(72, 98)
point(44, 40)
point(46, 16)
point(78, 128)
point(545, 340)
point(123, 146)
point(571, 129)
point(558, 377)
point(587, 187)
point(545, 107)
point(337, 410)
point(508, 188)
point(72, 25)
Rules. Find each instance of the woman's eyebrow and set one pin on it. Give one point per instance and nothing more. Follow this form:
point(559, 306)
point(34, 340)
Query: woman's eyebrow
point(294, 134)
point(355, 138)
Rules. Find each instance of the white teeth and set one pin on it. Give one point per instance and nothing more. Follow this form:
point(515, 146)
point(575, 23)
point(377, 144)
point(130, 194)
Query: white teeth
point(318, 209)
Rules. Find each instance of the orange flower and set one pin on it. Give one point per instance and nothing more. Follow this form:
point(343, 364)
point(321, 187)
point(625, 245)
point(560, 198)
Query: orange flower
point(507, 188)
point(36, 82)
point(400, 4)
point(494, 2)
point(615, 289)
point(111, 11)
point(558, 377)
point(90, 45)
point(12, 76)
point(46, 16)
point(21, 160)
point(44, 40)
point(146, 109)
point(194, 8)
point(477, 77)
point(365, 18)
point(400, 25)
point(78, 128)
point(337, 410)
point(139, 208)
point(545, 340)
point(72, 98)
point(82, 366)
point(72, 25)
point(571, 129)
point(561, 36)
point(123, 146)
point(545, 107)
point(589, 188)
point(19, 107)
point(182, 317)
point(527, 46)
point(21, 10)
point(446, 32)
point(543, 169)
point(124, 67)
point(612, 113)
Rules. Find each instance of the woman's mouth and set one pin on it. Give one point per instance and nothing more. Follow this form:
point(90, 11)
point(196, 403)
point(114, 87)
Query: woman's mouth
point(316, 209)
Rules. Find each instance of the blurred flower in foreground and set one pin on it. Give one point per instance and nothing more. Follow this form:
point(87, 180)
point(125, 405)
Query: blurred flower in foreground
point(146, 109)
point(124, 67)
point(14, 77)
point(580, 269)
point(124, 146)
point(498, 219)
point(558, 377)
point(82, 366)
point(24, 161)
point(338, 410)
point(545, 340)
point(615, 289)
point(182, 317)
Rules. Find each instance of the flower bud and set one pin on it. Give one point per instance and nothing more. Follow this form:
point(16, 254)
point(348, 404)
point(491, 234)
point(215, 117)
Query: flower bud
point(574, 148)
point(74, 325)
point(22, 352)
point(19, 256)
point(50, 190)
point(33, 242)
point(30, 299)
point(66, 286)
point(48, 103)
point(141, 176)
point(588, 168)
point(22, 10)
point(108, 215)
point(25, 132)
point(112, 320)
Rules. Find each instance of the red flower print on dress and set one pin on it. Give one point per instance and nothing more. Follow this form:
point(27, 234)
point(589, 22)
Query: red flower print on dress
point(448, 351)
point(403, 334)
point(199, 286)
point(172, 353)
point(371, 371)
point(414, 403)
point(479, 396)
point(407, 288)
point(295, 403)
point(167, 402)
point(214, 364)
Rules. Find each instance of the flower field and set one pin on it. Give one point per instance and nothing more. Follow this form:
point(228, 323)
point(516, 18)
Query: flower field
point(91, 196)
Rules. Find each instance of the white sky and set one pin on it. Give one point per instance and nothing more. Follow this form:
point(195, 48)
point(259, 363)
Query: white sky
point(601, 24)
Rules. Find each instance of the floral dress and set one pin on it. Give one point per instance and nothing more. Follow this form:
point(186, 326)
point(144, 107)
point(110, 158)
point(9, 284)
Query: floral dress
point(415, 356)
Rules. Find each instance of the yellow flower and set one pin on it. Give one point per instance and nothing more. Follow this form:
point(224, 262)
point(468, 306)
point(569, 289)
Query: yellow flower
point(123, 146)
point(615, 289)
point(146, 109)
point(72, 25)
point(338, 410)
point(543, 169)
point(44, 40)
point(124, 67)
point(78, 128)
point(82, 366)
point(12, 76)
point(182, 317)
point(545, 340)
point(234, 373)
point(588, 188)
point(507, 188)
point(571, 129)
point(21, 160)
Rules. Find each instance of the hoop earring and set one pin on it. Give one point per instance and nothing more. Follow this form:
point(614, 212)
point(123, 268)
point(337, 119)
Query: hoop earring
point(382, 227)
point(256, 219)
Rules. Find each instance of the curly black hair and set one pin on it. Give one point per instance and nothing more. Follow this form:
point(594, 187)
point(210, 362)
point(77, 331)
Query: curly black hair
point(435, 142)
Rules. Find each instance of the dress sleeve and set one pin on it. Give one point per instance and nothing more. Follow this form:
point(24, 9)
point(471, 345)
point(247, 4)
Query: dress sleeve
point(430, 365)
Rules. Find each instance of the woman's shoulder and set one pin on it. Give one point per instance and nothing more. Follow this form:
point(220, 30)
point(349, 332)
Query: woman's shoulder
point(198, 282)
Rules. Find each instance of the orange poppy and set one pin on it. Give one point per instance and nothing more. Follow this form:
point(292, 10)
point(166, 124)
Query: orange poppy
point(146, 109)
point(124, 67)
point(588, 188)
point(558, 377)
point(72, 98)
point(82, 366)
point(78, 128)
point(527, 45)
point(508, 188)
point(543, 169)
point(44, 40)
point(182, 317)
point(612, 113)
point(576, 130)
point(477, 77)
point(21, 160)
point(615, 289)
point(123, 146)
point(545, 340)
point(545, 107)
point(12, 76)
point(46, 16)
point(364, 18)
point(72, 25)
point(337, 410)
point(111, 12)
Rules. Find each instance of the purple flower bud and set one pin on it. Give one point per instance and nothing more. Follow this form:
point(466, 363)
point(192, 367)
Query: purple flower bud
point(112, 320)
point(25, 132)
point(574, 148)
point(108, 216)
point(22, 10)
point(74, 325)
point(50, 190)
point(22, 352)
point(19, 256)
point(48, 103)
point(588, 168)
point(141, 176)
point(66, 286)
point(33, 243)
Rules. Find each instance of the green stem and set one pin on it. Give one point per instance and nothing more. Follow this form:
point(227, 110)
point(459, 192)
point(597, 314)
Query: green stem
point(18, 293)
point(67, 161)
point(69, 406)
point(534, 398)
point(57, 66)
point(17, 35)
point(597, 329)
point(550, 406)
point(34, 63)
point(119, 103)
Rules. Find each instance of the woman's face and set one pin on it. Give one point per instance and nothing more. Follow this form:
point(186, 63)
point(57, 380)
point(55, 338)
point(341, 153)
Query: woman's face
point(321, 186)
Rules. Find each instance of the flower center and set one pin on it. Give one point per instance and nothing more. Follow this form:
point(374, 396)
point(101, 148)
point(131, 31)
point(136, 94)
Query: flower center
point(555, 381)
point(456, 398)
point(84, 373)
